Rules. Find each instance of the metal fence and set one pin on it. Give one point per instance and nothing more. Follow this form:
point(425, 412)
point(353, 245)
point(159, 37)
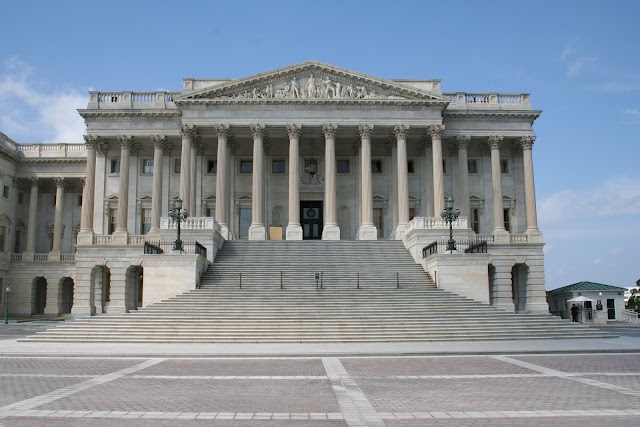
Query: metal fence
point(463, 244)
point(167, 246)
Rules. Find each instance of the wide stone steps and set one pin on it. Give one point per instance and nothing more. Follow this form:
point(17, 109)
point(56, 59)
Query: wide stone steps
point(241, 299)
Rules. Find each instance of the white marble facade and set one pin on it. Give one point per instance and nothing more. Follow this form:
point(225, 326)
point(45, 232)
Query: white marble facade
point(306, 151)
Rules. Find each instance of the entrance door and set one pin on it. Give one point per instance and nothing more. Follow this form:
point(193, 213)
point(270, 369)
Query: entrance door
point(311, 219)
point(611, 309)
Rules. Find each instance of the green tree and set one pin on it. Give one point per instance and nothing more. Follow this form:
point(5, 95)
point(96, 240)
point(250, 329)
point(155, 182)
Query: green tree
point(634, 300)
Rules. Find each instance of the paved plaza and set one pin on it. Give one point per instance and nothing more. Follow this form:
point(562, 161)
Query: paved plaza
point(489, 384)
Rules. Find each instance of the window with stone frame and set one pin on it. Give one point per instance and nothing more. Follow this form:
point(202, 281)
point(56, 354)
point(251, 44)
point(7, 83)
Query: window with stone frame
point(506, 213)
point(3, 234)
point(79, 200)
point(246, 166)
point(16, 243)
point(212, 166)
point(145, 220)
point(177, 166)
point(378, 221)
point(114, 167)
point(472, 166)
point(278, 166)
point(147, 166)
point(343, 166)
point(475, 220)
point(376, 166)
point(112, 222)
point(504, 166)
point(5, 192)
point(411, 166)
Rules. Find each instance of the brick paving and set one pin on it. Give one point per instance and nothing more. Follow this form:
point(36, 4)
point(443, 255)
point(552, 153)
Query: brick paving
point(531, 390)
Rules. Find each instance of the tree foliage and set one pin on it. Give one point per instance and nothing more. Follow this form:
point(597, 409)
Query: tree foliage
point(634, 300)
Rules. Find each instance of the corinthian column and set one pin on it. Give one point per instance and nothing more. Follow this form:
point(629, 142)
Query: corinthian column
point(367, 230)
point(535, 236)
point(436, 132)
point(403, 181)
point(121, 234)
point(331, 231)
point(85, 236)
point(56, 247)
point(185, 164)
point(33, 212)
point(257, 229)
point(463, 174)
point(294, 230)
point(193, 173)
point(222, 175)
point(500, 234)
point(159, 142)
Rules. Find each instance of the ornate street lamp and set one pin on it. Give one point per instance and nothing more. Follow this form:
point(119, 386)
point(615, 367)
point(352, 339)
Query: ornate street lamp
point(6, 304)
point(178, 216)
point(449, 216)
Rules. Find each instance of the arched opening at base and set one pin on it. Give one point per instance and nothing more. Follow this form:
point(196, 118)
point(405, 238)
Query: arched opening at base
point(66, 295)
point(101, 287)
point(39, 295)
point(134, 287)
point(519, 275)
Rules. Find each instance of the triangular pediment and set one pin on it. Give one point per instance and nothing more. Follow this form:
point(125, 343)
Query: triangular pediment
point(311, 81)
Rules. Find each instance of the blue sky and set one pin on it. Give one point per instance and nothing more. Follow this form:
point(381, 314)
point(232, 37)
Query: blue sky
point(580, 60)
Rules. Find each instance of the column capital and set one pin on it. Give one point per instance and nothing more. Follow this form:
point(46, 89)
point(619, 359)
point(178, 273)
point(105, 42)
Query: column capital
point(294, 130)
point(526, 142)
point(84, 181)
point(59, 180)
point(365, 131)
point(222, 130)
point(15, 181)
point(495, 141)
point(401, 131)
point(92, 141)
point(329, 130)
point(435, 130)
point(126, 141)
point(257, 130)
point(187, 130)
point(462, 141)
point(159, 141)
point(34, 181)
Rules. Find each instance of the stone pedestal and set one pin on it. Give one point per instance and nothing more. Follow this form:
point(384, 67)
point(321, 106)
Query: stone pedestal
point(120, 237)
point(501, 236)
point(400, 232)
point(463, 274)
point(85, 237)
point(367, 232)
point(534, 236)
point(224, 232)
point(257, 232)
point(331, 232)
point(294, 232)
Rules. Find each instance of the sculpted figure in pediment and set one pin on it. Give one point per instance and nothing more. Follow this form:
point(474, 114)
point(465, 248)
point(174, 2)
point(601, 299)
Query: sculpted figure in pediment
point(311, 88)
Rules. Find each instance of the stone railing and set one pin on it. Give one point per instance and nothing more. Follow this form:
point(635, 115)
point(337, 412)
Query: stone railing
point(519, 238)
point(102, 240)
point(16, 257)
point(67, 257)
point(435, 223)
point(193, 223)
point(136, 239)
point(41, 257)
point(52, 150)
point(131, 100)
point(489, 100)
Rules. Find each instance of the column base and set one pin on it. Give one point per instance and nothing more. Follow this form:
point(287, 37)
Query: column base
point(506, 306)
point(83, 310)
point(500, 235)
point(120, 237)
point(331, 232)
point(27, 256)
point(367, 232)
point(294, 232)
point(54, 256)
point(224, 232)
point(116, 309)
point(537, 308)
point(400, 232)
point(534, 235)
point(154, 234)
point(85, 237)
point(257, 232)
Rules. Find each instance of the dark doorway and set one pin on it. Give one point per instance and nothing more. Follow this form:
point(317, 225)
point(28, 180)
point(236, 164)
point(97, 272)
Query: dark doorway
point(311, 219)
point(611, 309)
point(40, 296)
point(67, 295)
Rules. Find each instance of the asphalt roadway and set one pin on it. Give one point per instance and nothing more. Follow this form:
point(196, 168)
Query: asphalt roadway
point(580, 382)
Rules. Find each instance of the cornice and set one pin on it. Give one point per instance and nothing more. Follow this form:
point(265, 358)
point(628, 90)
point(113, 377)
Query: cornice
point(312, 104)
point(120, 115)
point(41, 160)
point(492, 116)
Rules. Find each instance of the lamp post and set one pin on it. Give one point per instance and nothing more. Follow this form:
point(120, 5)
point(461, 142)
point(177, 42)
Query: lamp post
point(177, 215)
point(6, 304)
point(449, 216)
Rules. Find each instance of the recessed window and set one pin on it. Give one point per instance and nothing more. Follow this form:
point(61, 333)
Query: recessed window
point(376, 166)
point(475, 220)
point(20, 197)
point(507, 217)
point(411, 166)
point(277, 166)
point(147, 166)
point(145, 223)
point(444, 166)
point(246, 166)
point(378, 221)
point(212, 166)
point(412, 213)
point(3, 233)
point(343, 166)
point(113, 220)
point(114, 169)
point(177, 165)
point(504, 166)
point(5, 192)
point(472, 166)
point(79, 200)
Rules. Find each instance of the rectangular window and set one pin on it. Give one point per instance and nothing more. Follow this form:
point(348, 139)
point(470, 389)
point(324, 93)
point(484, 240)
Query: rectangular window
point(504, 166)
point(145, 223)
point(343, 166)
point(3, 233)
point(112, 223)
point(177, 164)
point(411, 168)
point(412, 213)
point(245, 222)
point(5, 192)
point(378, 221)
point(16, 244)
point(277, 166)
point(246, 166)
point(211, 212)
point(212, 166)
point(472, 166)
point(114, 169)
point(20, 197)
point(79, 201)
point(444, 166)
point(147, 166)
point(475, 220)
point(507, 216)
point(376, 166)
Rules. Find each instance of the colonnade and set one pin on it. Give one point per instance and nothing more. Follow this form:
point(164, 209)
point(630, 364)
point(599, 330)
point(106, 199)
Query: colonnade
point(331, 231)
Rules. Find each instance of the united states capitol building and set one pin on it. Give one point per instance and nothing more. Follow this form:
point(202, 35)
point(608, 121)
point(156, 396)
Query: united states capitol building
point(306, 152)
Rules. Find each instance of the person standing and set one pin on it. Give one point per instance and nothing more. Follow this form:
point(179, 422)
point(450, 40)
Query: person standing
point(574, 313)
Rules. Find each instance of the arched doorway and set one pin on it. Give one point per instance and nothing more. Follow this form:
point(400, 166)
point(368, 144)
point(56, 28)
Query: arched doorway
point(66, 295)
point(519, 275)
point(101, 287)
point(134, 287)
point(39, 295)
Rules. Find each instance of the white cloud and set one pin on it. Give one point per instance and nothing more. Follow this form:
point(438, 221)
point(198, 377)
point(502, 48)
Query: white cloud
point(574, 61)
point(616, 251)
point(31, 114)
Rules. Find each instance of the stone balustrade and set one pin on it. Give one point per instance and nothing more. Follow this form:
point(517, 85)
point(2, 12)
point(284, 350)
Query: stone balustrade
point(436, 223)
point(193, 223)
point(131, 100)
point(52, 150)
point(515, 101)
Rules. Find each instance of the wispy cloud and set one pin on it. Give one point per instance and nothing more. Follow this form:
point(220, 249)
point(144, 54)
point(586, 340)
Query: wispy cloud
point(29, 114)
point(575, 62)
